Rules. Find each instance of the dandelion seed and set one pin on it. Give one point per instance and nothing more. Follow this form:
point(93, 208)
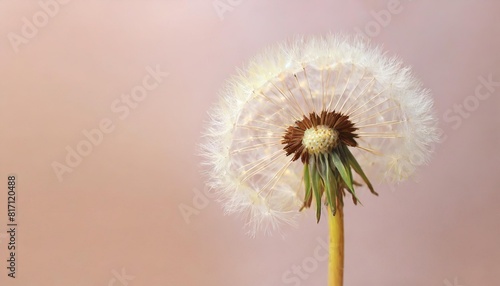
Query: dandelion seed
point(307, 122)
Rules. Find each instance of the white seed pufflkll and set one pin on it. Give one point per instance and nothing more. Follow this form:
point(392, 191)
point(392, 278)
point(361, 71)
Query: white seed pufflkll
point(325, 101)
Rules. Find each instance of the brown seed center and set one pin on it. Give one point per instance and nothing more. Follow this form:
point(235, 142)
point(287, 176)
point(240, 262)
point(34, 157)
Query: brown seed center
point(316, 134)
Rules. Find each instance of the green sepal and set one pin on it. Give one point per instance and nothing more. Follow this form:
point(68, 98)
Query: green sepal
point(307, 185)
point(331, 173)
point(344, 171)
point(357, 168)
point(316, 190)
point(331, 187)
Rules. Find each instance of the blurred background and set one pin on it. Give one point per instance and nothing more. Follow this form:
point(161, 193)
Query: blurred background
point(109, 190)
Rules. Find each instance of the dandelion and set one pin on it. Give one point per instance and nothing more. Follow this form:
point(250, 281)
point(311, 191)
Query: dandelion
point(306, 124)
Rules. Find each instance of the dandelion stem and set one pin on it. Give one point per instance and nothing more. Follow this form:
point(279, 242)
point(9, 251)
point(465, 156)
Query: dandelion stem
point(336, 260)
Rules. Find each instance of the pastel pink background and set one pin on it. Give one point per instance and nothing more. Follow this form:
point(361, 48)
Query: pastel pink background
point(119, 209)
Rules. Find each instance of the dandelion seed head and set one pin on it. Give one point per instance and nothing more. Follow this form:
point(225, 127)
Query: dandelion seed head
point(254, 137)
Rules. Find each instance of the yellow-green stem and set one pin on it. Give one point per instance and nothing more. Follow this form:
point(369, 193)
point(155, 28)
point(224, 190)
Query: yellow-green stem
point(336, 260)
